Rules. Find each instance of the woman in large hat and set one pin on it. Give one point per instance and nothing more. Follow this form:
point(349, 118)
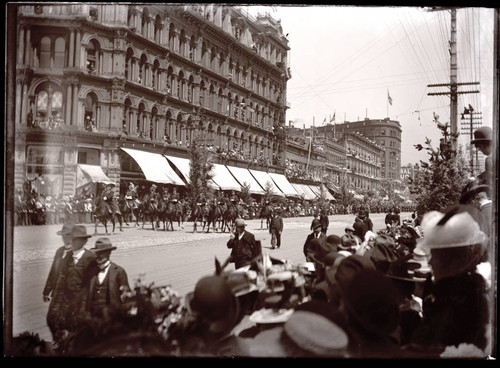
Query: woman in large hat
point(456, 309)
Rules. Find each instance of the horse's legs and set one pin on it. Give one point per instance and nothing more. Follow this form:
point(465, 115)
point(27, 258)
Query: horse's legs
point(96, 222)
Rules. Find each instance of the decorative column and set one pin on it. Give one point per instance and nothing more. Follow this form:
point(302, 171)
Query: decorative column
point(20, 49)
point(71, 55)
point(78, 48)
point(74, 119)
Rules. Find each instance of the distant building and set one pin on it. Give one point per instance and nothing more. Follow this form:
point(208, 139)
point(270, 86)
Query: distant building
point(384, 132)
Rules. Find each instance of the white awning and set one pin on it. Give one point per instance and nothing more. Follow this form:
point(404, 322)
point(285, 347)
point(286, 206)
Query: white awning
point(155, 167)
point(90, 174)
point(244, 177)
point(265, 181)
point(284, 185)
point(183, 165)
point(305, 191)
point(318, 191)
point(315, 189)
point(224, 179)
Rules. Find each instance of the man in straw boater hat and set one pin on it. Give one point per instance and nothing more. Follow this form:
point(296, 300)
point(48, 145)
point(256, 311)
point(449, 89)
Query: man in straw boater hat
point(55, 271)
point(107, 284)
point(71, 289)
point(456, 308)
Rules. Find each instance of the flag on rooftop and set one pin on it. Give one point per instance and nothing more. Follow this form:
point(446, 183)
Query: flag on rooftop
point(389, 98)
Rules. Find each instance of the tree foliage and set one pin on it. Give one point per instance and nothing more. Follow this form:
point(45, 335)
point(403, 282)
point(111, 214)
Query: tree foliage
point(200, 172)
point(440, 181)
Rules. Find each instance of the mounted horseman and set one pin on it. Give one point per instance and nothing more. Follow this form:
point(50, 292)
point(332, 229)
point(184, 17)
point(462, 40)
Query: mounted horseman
point(266, 213)
point(150, 206)
point(108, 196)
point(131, 204)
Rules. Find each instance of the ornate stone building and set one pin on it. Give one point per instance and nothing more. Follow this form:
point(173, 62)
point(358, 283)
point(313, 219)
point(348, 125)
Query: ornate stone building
point(384, 132)
point(94, 78)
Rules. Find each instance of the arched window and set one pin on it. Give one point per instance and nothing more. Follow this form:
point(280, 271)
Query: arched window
point(129, 64)
point(168, 127)
point(93, 57)
point(48, 106)
point(155, 76)
point(140, 116)
point(144, 23)
point(170, 79)
point(190, 89)
point(142, 70)
point(212, 97)
point(204, 54)
point(60, 48)
point(220, 101)
point(158, 28)
point(45, 46)
point(90, 112)
point(153, 128)
point(203, 91)
point(213, 57)
point(171, 37)
point(127, 114)
point(183, 43)
point(192, 48)
point(181, 86)
point(236, 107)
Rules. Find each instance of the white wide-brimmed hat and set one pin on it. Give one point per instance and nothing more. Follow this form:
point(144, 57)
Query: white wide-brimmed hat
point(458, 230)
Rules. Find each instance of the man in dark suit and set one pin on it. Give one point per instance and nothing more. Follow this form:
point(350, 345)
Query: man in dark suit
point(244, 248)
point(324, 220)
point(275, 229)
point(108, 281)
point(55, 271)
point(71, 289)
point(310, 247)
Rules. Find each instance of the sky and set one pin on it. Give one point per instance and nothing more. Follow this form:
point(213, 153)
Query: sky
point(346, 61)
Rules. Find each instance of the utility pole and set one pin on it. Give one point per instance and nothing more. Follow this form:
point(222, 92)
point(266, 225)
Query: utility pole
point(473, 125)
point(453, 85)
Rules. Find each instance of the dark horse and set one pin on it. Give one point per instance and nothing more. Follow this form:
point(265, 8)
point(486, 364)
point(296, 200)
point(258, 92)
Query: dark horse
point(197, 215)
point(230, 215)
point(149, 209)
point(103, 213)
point(167, 213)
point(266, 213)
point(213, 214)
point(129, 207)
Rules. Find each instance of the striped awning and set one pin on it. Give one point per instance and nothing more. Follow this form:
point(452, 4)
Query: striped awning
point(284, 185)
point(265, 181)
point(90, 174)
point(155, 167)
point(244, 177)
point(183, 166)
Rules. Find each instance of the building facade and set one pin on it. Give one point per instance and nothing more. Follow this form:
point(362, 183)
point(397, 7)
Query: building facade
point(384, 132)
point(94, 78)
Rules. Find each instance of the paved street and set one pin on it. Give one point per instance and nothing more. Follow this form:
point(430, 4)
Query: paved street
point(178, 258)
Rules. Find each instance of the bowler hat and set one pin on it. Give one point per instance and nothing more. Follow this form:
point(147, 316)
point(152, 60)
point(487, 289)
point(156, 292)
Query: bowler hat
point(348, 241)
point(79, 231)
point(66, 229)
point(102, 245)
point(214, 300)
point(482, 135)
point(315, 224)
point(472, 188)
